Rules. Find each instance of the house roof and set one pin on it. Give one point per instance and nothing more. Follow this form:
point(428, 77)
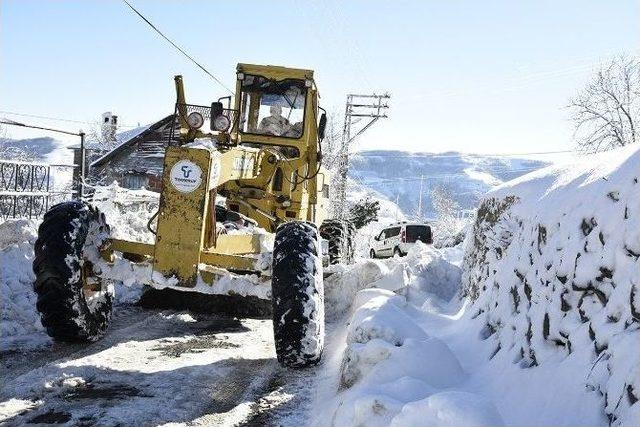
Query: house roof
point(133, 138)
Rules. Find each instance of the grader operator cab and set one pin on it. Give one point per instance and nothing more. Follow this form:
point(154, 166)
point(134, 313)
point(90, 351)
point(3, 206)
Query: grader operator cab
point(262, 154)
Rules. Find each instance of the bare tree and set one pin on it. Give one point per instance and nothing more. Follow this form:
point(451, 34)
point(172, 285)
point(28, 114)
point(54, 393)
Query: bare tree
point(447, 225)
point(332, 141)
point(606, 112)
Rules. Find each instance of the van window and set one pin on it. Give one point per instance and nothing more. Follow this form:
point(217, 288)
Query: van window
point(419, 232)
point(392, 232)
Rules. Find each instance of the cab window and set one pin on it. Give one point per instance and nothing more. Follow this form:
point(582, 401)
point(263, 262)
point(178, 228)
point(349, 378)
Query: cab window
point(274, 108)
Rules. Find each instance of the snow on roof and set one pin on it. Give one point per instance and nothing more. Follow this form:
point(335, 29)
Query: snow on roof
point(128, 138)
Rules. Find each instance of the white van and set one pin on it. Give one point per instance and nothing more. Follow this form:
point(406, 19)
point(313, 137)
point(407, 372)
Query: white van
point(397, 239)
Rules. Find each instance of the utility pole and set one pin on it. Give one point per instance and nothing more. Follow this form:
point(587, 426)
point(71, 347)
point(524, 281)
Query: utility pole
point(419, 214)
point(359, 108)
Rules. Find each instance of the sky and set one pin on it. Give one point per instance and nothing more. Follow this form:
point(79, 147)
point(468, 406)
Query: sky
point(469, 76)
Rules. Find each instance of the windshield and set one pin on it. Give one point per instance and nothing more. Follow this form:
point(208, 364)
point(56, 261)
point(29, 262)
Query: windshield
point(272, 107)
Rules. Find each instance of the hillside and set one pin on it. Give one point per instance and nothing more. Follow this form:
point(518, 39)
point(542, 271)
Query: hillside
point(397, 175)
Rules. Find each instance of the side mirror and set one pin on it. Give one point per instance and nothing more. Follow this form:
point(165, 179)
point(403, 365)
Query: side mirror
point(216, 109)
point(219, 122)
point(322, 126)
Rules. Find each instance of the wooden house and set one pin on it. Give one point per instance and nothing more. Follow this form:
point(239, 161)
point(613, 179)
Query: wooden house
point(137, 161)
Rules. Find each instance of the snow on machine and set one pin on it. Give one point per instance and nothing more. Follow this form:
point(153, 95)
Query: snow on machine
point(264, 156)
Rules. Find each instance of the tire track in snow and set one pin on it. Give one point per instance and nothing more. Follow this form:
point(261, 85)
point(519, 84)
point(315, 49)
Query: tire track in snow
point(154, 367)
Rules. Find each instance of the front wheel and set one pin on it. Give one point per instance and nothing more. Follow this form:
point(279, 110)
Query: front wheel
point(297, 295)
point(74, 303)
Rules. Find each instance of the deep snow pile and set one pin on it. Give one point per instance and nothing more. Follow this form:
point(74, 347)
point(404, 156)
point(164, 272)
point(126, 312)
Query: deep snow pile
point(552, 265)
point(20, 322)
point(391, 371)
point(127, 211)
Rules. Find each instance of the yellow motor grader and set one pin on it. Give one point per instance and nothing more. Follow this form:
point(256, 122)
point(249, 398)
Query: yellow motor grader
point(261, 153)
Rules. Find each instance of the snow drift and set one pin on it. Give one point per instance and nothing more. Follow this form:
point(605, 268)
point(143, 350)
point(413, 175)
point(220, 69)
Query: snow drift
point(551, 265)
point(391, 370)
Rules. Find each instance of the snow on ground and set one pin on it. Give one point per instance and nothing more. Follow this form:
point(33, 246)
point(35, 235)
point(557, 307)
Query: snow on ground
point(20, 321)
point(389, 366)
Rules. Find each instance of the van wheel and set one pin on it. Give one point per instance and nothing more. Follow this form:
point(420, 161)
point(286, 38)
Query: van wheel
point(372, 253)
point(297, 295)
point(397, 252)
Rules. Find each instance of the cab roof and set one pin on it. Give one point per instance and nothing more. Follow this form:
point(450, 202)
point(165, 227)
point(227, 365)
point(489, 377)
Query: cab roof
point(275, 72)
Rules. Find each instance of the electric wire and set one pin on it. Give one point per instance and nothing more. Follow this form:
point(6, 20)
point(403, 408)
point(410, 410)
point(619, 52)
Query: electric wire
point(59, 119)
point(178, 47)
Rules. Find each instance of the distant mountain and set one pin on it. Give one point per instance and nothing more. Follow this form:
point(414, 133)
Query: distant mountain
point(35, 148)
point(398, 174)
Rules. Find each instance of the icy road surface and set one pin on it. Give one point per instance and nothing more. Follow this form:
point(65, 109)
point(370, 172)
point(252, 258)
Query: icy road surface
point(158, 367)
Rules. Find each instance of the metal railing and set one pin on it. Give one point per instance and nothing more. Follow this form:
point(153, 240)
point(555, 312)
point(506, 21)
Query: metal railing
point(26, 189)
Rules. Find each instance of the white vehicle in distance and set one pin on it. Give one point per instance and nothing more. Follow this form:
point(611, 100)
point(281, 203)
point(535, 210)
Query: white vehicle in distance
point(397, 239)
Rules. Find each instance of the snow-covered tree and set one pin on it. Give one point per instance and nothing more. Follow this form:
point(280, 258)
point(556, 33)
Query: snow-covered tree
point(606, 113)
point(448, 227)
point(363, 212)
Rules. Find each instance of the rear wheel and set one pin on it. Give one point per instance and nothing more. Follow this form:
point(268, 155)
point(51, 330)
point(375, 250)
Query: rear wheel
point(339, 234)
point(397, 252)
point(297, 295)
point(74, 303)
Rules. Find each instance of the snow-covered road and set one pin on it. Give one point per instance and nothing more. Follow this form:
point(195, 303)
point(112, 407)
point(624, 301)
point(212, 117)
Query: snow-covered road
point(156, 367)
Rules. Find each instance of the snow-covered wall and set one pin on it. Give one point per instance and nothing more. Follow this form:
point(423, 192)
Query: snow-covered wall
point(552, 265)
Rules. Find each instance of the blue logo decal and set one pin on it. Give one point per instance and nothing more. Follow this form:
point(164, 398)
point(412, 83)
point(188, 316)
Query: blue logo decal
point(186, 171)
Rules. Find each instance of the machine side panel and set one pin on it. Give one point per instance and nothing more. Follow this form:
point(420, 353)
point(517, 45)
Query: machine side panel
point(182, 211)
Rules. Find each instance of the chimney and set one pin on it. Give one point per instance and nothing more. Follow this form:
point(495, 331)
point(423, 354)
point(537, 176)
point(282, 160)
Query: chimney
point(109, 127)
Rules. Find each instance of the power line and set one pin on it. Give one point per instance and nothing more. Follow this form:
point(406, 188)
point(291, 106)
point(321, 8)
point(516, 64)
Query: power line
point(59, 119)
point(178, 47)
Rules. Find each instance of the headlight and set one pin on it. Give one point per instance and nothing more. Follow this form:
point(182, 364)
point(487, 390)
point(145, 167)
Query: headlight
point(195, 120)
point(221, 123)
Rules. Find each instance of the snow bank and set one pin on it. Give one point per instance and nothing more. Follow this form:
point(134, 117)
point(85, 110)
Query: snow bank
point(20, 324)
point(552, 265)
point(425, 274)
point(392, 371)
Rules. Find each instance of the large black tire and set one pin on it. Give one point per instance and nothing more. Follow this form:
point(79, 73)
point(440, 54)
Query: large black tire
point(74, 303)
point(297, 295)
point(339, 234)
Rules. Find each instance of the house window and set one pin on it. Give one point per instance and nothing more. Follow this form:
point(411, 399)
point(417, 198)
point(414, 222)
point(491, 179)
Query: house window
point(135, 181)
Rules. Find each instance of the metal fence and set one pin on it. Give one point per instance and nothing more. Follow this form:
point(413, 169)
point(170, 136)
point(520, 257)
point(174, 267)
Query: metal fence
point(26, 189)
